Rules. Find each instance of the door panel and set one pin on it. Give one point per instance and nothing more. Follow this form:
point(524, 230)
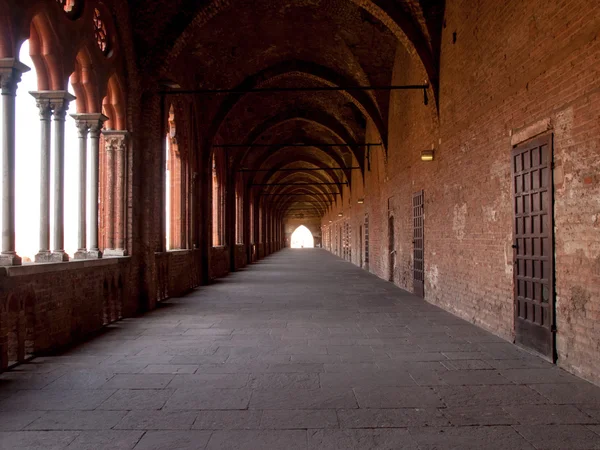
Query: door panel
point(367, 241)
point(360, 246)
point(534, 246)
point(418, 245)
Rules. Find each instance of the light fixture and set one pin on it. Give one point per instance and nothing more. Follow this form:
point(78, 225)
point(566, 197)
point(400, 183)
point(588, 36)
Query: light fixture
point(340, 214)
point(427, 155)
point(170, 84)
point(361, 201)
point(331, 221)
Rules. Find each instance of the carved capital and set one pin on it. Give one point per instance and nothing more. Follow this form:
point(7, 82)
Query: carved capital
point(115, 140)
point(93, 121)
point(9, 82)
point(10, 75)
point(82, 128)
point(44, 108)
point(95, 131)
point(60, 110)
point(60, 102)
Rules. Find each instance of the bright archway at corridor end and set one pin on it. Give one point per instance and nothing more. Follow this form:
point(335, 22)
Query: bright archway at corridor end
point(302, 238)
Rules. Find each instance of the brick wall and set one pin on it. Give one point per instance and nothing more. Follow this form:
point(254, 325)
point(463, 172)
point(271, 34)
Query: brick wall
point(508, 71)
point(58, 304)
point(219, 262)
point(240, 256)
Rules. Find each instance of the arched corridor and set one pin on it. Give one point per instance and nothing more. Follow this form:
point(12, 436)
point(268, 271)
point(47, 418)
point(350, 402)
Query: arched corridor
point(300, 351)
point(159, 158)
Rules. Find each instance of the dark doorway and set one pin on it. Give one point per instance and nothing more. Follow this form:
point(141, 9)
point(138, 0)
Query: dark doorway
point(367, 241)
point(418, 245)
point(391, 248)
point(533, 246)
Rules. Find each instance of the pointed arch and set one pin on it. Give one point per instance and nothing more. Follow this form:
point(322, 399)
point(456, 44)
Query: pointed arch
point(44, 51)
point(85, 83)
point(114, 104)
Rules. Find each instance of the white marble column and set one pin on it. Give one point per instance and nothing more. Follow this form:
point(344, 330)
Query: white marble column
point(96, 123)
point(61, 105)
point(116, 149)
point(10, 75)
point(83, 129)
point(44, 104)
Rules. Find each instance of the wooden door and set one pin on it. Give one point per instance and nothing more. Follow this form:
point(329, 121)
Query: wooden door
point(533, 246)
point(418, 245)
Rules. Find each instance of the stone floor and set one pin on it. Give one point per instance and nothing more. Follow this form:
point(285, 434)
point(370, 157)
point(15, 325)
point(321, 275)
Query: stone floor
point(300, 351)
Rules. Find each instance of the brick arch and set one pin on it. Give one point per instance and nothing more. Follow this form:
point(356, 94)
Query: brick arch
point(305, 160)
point(7, 33)
point(299, 157)
point(402, 22)
point(318, 203)
point(318, 191)
point(85, 83)
point(114, 104)
point(334, 130)
point(283, 207)
point(309, 70)
point(44, 48)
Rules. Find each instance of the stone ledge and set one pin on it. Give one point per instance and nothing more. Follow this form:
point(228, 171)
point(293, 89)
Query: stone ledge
point(177, 251)
point(42, 268)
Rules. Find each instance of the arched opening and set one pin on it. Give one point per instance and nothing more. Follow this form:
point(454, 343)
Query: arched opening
point(218, 203)
point(172, 185)
point(27, 166)
point(239, 211)
point(302, 238)
point(27, 162)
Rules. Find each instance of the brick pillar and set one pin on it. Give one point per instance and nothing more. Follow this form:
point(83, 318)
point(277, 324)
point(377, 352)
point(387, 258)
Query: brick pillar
point(116, 147)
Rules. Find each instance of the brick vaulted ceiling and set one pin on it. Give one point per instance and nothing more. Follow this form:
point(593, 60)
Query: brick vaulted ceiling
point(288, 43)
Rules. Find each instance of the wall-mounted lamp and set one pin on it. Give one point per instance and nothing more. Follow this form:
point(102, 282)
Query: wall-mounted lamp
point(331, 221)
point(361, 201)
point(340, 214)
point(427, 155)
point(170, 84)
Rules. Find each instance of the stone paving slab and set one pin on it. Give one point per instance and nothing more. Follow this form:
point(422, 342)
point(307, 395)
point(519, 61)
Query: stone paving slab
point(299, 351)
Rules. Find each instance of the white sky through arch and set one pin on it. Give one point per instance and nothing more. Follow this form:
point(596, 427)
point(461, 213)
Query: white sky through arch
point(302, 238)
point(27, 168)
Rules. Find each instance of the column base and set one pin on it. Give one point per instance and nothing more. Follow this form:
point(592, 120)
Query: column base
point(115, 252)
point(94, 254)
point(10, 259)
point(81, 254)
point(44, 257)
point(59, 257)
